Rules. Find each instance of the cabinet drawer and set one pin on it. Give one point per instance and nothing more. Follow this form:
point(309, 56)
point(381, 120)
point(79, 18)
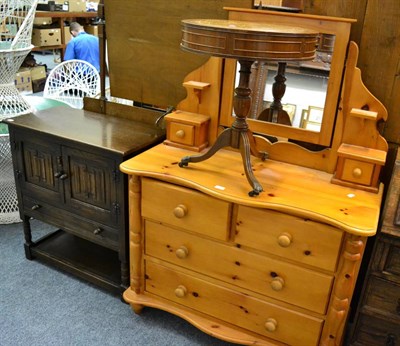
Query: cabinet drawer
point(87, 229)
point(261, 274)
point(383, 295)
point(233, 307)
point(372, 330)
point(182, 133)
point(292, 237)
point(185, 208)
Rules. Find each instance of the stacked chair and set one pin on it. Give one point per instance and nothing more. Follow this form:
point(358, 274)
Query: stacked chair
point(16, 21)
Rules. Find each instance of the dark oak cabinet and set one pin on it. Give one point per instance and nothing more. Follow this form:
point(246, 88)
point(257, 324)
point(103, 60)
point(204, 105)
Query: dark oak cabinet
point(66, 165)
point(377, 319)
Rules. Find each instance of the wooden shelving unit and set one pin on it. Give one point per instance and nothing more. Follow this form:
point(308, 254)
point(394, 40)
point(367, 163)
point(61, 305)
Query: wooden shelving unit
point(60, 17)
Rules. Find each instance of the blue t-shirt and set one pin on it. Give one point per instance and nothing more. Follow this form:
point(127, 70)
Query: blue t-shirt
point(84, 47)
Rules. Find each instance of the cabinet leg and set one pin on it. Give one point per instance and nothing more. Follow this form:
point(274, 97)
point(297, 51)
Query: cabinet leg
point(28, 237)
point(137, 308)
point(124, 275)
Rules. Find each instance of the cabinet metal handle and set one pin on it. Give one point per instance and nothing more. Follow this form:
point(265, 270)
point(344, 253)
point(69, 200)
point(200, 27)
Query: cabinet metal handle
point(57, 175)
point(180, 291)
point(97, 231)
point(35, 207)
point(180, 211)
point(277, 283)
point(63, 176)
point(285, 239)
point(390, 340)
point(182, 252)
point(271, 324)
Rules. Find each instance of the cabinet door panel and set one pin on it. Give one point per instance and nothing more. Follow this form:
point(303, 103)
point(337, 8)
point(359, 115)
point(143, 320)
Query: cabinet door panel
point(90, 188)
point(40, 162)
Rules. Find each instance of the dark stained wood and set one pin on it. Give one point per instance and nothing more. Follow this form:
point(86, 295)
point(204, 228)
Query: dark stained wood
point(66, 163)
point(377, 321)
point(146, 63)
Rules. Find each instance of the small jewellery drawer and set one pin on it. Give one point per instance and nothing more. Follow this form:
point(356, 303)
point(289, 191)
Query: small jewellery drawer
point(292, 237)
point(90, 230)
point(182, 133)
point(357, 171)
point(185, 208)
point(233, 307)
point(262, 274)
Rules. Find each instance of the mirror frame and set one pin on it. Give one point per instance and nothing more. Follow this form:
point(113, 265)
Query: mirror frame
point(340, 27)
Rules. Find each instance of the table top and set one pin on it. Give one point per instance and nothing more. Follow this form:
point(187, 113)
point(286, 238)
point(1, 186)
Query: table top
point(249, 40)
point(292, 189)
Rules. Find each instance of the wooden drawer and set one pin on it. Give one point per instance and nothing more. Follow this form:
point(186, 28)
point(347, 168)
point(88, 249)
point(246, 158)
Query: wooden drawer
point(185, 208)
point(295, 238)
point(383, 295)
point(233, 307)
point(261, 274)
point(87, 229)
point(182, 133)
point(374, 330)
point(358, 172)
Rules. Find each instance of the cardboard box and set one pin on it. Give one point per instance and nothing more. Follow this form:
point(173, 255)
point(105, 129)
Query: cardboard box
point(67, 34)
point(92, 29)
point(23, 81)
point(38, 72)
point(46, 37)
point(77, 6)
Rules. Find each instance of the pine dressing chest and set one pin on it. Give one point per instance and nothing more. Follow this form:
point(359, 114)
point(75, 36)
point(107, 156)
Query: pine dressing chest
point(278, 268)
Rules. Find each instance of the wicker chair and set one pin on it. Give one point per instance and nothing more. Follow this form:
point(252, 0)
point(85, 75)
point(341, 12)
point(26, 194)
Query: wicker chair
point(16, 21)
point(71, 81)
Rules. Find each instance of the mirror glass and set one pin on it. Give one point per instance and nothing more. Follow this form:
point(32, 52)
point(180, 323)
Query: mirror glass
point(293, 93)
point(312, 88)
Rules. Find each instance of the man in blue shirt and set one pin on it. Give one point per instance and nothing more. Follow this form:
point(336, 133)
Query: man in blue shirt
point(83, 46)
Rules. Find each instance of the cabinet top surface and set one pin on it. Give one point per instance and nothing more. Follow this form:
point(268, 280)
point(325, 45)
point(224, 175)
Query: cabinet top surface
point(287, 188)
point(115, 134)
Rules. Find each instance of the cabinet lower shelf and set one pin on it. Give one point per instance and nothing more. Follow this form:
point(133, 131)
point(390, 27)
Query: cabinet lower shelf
point(79, 257)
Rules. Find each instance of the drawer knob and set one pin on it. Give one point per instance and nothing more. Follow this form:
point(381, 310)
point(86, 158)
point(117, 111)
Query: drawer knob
point(271, 324)
point(277, 283)
point(285, 239)
point(180, 211)
point(357, 172)
point(35, 207)
point(180, 291)
point(97, 231)
point(182, 252)
point(180, 134)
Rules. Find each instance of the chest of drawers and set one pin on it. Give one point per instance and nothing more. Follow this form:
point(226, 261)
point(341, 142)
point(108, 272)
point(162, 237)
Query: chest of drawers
point(66, 170)
point(276, 269)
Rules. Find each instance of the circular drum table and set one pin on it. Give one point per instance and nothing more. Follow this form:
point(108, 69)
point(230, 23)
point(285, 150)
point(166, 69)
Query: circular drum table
point(246, 42)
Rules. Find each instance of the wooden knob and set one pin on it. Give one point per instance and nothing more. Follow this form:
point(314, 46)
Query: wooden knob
point(357, 172)
point(180, 291)
point(285, 239)
point(277, 283)
point(271, 324)
point(180, 133)
point(180, 211)
point(182, 252)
